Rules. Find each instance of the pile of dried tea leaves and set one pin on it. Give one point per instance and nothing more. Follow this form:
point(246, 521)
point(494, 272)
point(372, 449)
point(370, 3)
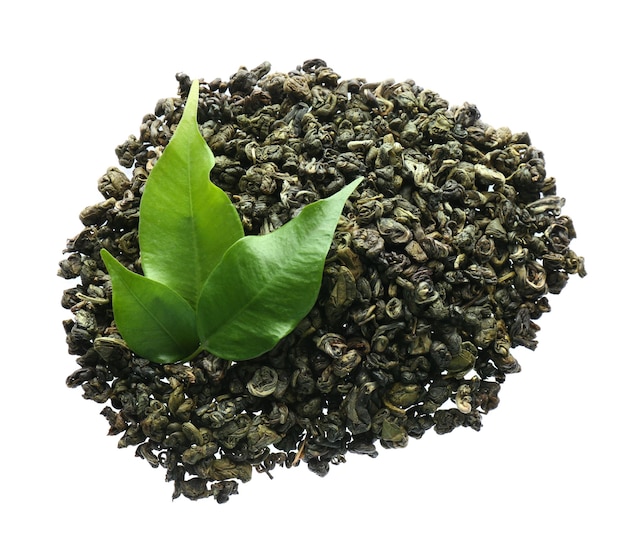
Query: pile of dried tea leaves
point(440, 265)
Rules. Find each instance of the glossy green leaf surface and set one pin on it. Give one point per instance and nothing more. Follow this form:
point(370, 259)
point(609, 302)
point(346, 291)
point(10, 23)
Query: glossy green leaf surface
point(186, 222)
point(155, 321)
point(265, 285)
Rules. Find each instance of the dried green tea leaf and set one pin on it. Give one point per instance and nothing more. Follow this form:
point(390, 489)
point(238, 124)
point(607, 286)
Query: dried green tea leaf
point(266, 284)
point(155, 321)
point(187, 222)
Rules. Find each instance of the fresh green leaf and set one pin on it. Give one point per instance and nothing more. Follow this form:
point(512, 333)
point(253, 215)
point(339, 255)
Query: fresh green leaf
point(155, 321)
point(186, 222)
point(206, 286)
point(265, 285)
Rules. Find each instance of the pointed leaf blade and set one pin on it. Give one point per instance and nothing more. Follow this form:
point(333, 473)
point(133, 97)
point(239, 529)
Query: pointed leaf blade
point(266, 284)
point(155, 321)
point(186, 221)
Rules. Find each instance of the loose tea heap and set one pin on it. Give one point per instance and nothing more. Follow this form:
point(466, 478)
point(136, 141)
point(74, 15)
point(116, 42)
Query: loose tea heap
point(439, 266)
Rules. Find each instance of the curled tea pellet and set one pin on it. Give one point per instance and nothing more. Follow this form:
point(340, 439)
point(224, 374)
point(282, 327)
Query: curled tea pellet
point(440, 266)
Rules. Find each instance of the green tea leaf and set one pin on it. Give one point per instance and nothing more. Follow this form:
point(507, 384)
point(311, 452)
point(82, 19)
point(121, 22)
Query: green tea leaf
point(155, 321)
point(186, 222)
point(266, 284)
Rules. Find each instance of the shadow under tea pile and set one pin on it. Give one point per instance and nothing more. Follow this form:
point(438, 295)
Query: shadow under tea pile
point(440, 265)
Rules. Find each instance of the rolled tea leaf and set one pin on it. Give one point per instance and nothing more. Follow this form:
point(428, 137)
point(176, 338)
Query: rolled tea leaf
point(266, 284)
point(155, 321)
point(186, 222)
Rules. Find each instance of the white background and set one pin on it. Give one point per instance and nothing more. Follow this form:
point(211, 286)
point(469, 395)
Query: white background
point(76, 79)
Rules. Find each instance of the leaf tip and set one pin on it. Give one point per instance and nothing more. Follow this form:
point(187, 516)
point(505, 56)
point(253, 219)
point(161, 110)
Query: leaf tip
point(191, 106)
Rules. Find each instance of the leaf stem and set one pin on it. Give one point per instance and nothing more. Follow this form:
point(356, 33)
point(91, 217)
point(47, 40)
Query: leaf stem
point(193, 355)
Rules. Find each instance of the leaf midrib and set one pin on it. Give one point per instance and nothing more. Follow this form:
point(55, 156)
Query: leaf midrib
point(198, 281)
